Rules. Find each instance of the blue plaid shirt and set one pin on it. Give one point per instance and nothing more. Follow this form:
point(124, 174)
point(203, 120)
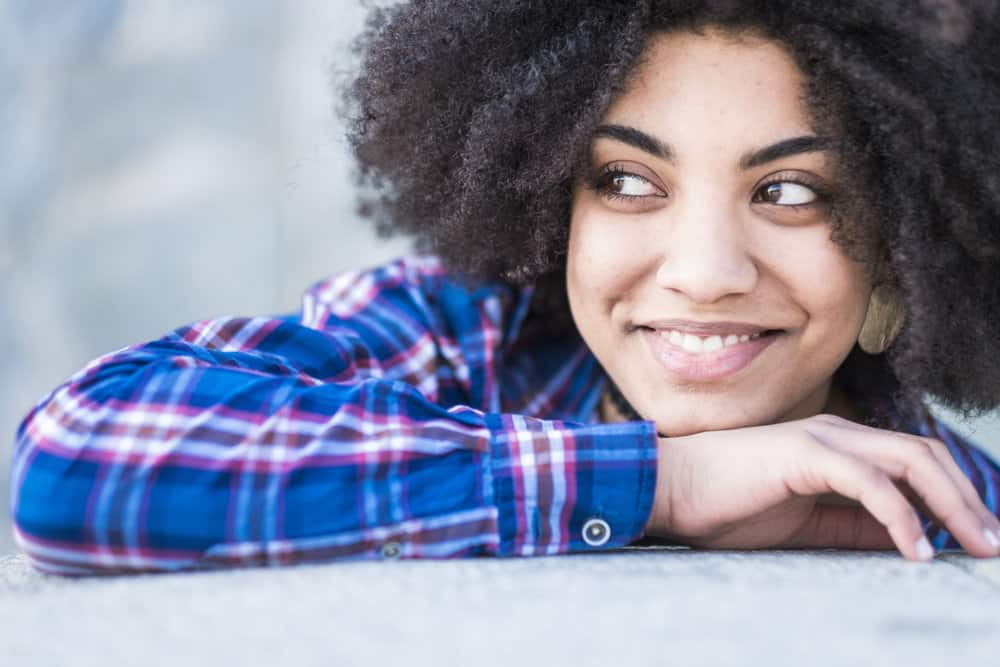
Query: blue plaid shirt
point(398, 414)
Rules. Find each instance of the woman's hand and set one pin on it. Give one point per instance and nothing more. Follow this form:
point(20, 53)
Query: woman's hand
point(759, 487)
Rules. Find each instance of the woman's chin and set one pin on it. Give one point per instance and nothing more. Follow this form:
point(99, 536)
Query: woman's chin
point(680, 433)
point(689, 413)
point(677, 426)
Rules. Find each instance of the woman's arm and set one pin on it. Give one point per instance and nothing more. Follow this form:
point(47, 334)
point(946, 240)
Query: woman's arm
point(265, 441)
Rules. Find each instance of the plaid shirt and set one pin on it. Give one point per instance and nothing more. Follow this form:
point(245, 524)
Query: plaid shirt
point(398, 415)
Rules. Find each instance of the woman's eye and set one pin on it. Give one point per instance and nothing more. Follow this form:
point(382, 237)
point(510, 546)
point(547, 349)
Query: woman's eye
point(624, 185)
point(786, 194)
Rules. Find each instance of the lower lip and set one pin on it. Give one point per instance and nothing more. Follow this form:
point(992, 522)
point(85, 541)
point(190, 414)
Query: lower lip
point(706, 365)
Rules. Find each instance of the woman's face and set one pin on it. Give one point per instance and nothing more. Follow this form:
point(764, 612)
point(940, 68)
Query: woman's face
point(703, 221)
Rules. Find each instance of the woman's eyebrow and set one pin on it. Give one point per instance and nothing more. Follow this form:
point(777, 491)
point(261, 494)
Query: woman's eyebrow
point(785, 148)
point(650, 144)
point(637, 138)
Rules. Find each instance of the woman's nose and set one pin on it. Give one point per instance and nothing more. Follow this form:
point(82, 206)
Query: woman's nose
point(705, 256)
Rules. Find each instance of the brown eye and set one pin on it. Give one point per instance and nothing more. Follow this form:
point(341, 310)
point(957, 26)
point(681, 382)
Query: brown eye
point(630, 185)
point(786, 194)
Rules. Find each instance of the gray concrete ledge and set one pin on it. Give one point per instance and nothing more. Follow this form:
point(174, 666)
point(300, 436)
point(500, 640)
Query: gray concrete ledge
point(649, 606)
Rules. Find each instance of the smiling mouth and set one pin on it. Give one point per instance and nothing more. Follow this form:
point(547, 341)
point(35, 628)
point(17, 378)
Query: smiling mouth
point(705, 358)
point(702, 344)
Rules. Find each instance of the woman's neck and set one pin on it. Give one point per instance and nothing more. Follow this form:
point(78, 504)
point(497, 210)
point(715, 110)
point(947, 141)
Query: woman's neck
point(838, 403)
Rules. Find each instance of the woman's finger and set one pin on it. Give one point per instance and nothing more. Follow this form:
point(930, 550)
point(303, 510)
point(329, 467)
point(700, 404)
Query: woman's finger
point(942, 452)
point(913, 460)
point(944, 456)
point(827, 470)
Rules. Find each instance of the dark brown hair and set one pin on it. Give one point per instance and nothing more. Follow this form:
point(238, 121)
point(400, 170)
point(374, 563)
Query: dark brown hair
point(471, 121)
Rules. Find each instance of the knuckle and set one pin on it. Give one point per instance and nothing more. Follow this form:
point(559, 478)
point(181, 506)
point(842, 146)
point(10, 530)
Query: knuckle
point(827, 418)
point(919, 471)
point(918, 449)
point(936, 447)
point(925, 448)
point(925, 468)
point(906, 439)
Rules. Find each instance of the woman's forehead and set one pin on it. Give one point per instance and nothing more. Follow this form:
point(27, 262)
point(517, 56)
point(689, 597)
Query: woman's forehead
point(692, 88)
point(701, 68)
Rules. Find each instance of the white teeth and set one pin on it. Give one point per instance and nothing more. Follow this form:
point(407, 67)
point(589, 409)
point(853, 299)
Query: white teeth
point(692, 344)
point(696, 345)
point(712, 344)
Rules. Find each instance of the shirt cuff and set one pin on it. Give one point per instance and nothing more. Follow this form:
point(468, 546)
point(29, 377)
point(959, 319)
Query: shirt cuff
point(562, 487)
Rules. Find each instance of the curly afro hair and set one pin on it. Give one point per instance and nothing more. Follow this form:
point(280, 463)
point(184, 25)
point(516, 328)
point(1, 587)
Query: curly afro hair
point(471, 122)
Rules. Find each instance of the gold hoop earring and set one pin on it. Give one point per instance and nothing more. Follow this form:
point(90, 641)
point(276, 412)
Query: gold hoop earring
point(883, 320)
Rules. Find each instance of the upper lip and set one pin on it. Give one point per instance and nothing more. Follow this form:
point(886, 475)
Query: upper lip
point(708, 328)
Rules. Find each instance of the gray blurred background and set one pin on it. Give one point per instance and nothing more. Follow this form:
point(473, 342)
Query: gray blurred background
point(162, 161)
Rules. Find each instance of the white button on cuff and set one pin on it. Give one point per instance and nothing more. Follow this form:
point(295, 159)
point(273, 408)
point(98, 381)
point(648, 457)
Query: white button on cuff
point(391, 550)
point(596, 532)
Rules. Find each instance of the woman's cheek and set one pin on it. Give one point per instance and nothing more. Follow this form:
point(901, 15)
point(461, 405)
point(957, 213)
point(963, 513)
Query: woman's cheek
point(830, 286)
point(605, 255)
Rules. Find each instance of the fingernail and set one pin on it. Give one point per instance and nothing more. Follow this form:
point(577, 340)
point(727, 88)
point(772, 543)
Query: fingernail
point(991, 538)
point(924, 549)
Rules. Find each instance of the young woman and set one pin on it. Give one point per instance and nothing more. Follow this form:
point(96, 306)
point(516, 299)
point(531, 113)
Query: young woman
point(689, 271)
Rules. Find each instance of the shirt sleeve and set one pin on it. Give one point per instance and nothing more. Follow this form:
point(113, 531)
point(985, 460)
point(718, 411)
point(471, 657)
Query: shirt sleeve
point(265, 441)
point(976, 464)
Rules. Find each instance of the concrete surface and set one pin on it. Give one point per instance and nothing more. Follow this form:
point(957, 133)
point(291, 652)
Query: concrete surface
point(646, 606)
